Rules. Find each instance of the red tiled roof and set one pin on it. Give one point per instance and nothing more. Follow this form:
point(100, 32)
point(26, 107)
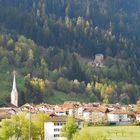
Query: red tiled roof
point(71, 104)
point(96, 109)
point(60, 109)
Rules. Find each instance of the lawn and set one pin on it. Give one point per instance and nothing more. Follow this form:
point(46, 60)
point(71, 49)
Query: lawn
point(118, 132)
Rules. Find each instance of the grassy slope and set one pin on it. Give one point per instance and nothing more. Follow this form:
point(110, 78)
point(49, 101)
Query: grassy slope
point(59, 97)
point(118, 132)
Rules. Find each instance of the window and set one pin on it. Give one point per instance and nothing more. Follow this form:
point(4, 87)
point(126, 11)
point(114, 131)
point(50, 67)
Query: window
point(56, 129)
point(56, 135)
point(59, 124)
point(79, 123)
point(56, 124)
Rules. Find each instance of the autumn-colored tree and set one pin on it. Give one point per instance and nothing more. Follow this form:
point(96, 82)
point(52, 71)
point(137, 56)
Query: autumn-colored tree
point(69, 129)
point(38, 123)
point(18, 126)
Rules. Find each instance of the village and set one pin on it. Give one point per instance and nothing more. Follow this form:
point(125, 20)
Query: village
point(91, 113)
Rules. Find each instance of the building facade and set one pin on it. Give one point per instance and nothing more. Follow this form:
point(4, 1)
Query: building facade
point(52, 128)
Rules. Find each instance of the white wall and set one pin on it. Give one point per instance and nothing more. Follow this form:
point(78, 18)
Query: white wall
point(70, 112)
point(86, 115)
point(116, 118)
point(80, 111)
point(138, 118)
point(49, 131)
point(97, 116)
point(60, 113)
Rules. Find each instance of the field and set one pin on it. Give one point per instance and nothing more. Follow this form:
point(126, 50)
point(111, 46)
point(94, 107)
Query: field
point(118, 132)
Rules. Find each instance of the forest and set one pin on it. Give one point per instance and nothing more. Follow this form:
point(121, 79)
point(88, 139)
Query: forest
point(52, 45)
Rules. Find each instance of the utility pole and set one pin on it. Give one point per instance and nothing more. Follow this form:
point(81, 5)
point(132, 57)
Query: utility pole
point(30, 122)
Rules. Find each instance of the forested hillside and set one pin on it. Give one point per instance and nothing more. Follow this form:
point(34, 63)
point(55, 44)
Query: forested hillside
point(52, 44)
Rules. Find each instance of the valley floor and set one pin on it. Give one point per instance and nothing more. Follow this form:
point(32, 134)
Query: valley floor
point(118, 132)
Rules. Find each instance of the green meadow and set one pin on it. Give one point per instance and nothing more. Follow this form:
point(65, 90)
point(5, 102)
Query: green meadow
point(118, 132)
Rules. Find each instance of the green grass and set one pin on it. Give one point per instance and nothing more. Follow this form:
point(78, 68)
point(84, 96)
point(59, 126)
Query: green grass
point(118, 132)
point(60, 97)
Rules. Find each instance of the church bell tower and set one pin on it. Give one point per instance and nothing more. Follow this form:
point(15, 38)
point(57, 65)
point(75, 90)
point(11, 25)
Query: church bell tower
point(14, 93)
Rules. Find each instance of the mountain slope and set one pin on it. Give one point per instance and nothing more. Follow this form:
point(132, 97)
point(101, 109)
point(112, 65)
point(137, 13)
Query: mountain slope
point(67, 34)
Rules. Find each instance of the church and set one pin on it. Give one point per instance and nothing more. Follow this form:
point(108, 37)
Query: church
point(14, 93)
point(7, 109)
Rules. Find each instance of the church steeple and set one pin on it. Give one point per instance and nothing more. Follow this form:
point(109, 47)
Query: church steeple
point(14, 93)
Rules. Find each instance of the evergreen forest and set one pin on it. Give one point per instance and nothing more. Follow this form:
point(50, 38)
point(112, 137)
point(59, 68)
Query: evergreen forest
point(52, 45)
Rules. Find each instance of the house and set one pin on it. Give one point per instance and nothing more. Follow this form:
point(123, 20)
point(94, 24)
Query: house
point(118, 117)
point(76, 111)
point(60, 111)
point(95, 114)
point(52, 128)
point(99, 58)
point(138, 117)
point(49, 109)
point(99, 114)
point(28, 107)
point(87, 114)
point(73, 107)
point(5, 113)
point(8, 109)
point(98, 61)
point(80, 111)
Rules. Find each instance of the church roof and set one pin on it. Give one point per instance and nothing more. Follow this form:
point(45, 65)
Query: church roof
point(8, 105)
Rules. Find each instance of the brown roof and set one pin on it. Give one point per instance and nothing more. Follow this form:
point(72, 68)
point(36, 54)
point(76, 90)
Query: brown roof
point(88, 109)
point(8, 105)
point(121, 112)
point(71, 104)
point(62, 119)
point(97, 109)
point(60, 109)
point(103, 109)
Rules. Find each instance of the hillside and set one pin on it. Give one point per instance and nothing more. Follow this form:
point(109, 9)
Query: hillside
point(52, 45)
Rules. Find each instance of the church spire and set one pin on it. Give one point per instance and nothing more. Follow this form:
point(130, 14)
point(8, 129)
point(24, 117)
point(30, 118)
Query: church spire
point(14, 93)
point(14, 82)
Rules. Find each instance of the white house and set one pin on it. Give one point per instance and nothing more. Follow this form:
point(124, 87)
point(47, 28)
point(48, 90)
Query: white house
point(52, 128)
point(99, 114)
point(94, 114)
point(87, 114)
point(60, 111)
point(80, 111)
point(73, 108)
point(118, 117)
point(138, 117)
